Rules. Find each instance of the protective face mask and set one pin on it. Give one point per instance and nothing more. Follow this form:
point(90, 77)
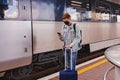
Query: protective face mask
point(66, 22)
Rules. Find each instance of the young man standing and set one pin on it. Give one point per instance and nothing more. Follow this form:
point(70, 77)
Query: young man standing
point(71, 38)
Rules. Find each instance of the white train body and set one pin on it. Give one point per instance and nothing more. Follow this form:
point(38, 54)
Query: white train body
point(25, 36)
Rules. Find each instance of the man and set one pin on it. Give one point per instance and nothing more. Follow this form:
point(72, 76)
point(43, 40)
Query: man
point(71, 39)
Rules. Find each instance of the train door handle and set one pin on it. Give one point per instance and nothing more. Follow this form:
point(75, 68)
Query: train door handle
point(25, 50)
point(23, 7)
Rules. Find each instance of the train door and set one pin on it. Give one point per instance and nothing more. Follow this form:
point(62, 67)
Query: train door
point(47, 17)
point(15, 34)
point(47, 21)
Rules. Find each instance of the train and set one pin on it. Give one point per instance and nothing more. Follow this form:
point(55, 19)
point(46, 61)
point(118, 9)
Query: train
point(28, 31)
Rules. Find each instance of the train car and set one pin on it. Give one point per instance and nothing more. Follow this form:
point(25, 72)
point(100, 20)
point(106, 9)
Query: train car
point(28, 31)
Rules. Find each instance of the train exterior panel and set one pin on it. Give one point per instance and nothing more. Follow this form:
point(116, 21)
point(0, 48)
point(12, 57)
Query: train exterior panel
point(15, 44)
point(46, 39)
point(103, 44)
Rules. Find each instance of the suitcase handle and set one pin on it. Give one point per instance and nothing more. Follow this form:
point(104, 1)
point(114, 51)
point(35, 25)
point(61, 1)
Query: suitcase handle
point(70, 58)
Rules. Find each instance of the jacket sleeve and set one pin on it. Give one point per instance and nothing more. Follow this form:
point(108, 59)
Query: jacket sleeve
point(77, 38)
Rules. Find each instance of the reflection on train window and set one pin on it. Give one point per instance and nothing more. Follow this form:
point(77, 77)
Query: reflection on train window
point(47, 10)
point(12, 11)
point(118, 18)
point(78, 9)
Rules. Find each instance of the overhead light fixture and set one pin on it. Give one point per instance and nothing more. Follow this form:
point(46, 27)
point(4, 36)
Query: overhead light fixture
point(76, 2)
point(101, 7)
point(75, 5)
point(88, 4)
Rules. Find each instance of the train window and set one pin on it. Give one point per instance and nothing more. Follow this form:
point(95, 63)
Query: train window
point(102, 11)
point(12, 11)
point(78, 9)
point(9, 10)
point(59, 9)
point(47, 10)
point(95, 10)
point(118, 18)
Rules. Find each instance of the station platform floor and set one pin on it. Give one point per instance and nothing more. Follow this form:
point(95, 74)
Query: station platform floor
point(90, 70)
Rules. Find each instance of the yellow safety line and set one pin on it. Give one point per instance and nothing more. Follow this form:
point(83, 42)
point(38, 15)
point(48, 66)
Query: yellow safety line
point(91, 66)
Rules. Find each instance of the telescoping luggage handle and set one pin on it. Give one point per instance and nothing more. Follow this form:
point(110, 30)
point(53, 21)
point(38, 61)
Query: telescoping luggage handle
point(70, 58)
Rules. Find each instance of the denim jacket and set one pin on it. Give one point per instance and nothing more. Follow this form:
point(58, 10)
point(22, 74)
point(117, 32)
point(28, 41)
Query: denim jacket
point(69, 37)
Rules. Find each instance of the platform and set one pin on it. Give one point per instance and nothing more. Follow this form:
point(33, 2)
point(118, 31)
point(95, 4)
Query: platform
point(91, 70)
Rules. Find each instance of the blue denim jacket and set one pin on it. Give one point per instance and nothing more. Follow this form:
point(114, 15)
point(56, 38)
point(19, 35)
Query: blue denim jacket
point(69, 37)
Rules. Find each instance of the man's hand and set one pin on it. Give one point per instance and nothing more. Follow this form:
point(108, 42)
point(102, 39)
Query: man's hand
point(68, 46)
point(59, 35)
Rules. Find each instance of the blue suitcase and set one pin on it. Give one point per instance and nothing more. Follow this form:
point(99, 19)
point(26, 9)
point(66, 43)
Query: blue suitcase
point(68, 74)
